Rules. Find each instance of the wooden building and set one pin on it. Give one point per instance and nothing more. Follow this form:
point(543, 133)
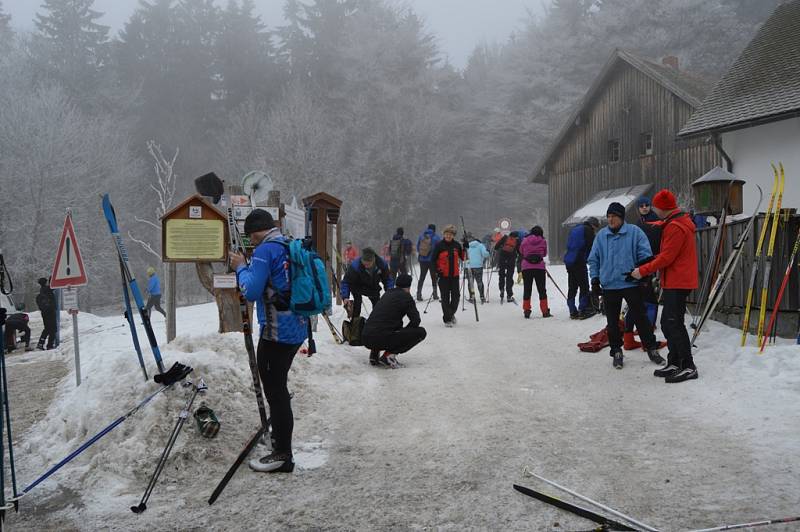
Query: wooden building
point(620, 142)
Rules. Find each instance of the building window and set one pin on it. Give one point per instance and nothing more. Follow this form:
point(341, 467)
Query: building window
point(646, 144)
point(613, 151)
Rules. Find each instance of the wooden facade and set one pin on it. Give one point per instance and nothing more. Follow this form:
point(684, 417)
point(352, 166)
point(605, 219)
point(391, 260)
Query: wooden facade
point(626, 104)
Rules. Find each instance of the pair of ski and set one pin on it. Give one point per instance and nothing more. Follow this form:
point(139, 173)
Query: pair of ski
point(129, 283)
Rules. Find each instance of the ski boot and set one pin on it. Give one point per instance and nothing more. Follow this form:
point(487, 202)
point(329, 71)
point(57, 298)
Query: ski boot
point(388, 360)
point(274, 462)
point(545, 308)
point(526, 308)
point(618, 358)
point(373, 357)
point(510, 299)
point(655, 357)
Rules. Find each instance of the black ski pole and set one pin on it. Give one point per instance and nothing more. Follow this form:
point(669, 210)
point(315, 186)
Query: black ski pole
point(555, 283)
point(182, 416)
point(428, 304)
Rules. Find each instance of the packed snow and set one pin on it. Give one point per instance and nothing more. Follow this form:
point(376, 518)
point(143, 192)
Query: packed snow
point(437, 444)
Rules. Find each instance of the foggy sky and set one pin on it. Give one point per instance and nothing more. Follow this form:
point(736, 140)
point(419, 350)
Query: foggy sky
point(459, 24)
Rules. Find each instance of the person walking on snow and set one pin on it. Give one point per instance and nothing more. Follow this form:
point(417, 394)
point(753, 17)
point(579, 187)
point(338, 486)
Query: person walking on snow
point(154, 291)
point(384, 329)
point(579, 244)
point(425, 245)
point(618, 248)
point(677, 262)
point(507, 249)
point(350, 252)
point(266, 281)
point(400, 249)
point(46, 302)
point(533, 250)
point(364, 277)
point(446, 257)
point(477, 255)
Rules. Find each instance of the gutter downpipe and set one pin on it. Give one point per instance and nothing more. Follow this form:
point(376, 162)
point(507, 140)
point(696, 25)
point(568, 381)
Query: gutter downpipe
point(718, 145)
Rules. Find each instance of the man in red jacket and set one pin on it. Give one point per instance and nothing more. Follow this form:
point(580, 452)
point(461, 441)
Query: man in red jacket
point(677, 261)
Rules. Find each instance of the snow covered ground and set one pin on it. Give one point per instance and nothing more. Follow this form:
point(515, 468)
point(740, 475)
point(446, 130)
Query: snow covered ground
point(437, 444)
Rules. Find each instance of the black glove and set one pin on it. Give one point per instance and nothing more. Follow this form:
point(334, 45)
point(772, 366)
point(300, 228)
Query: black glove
point(629, 278)
point(596, 286)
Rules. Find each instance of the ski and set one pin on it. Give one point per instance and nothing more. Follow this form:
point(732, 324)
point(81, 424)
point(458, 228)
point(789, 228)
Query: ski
point(778, 299)
point(467, 274)
point(754, 524)
point(238, 246)
point(254, 439)
point(756, 262)
point(337, 336)
point(726, 273)
point(111, 218)
point(608, 524)
point(762, 311)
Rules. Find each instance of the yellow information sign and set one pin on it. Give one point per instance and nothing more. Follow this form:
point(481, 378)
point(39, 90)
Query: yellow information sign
point(195, 240)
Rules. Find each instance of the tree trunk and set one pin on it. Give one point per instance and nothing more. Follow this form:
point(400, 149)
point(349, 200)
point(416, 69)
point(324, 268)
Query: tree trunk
point(230, 319)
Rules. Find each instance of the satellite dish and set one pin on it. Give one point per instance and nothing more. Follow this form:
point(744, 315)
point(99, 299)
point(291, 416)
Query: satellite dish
point(257, 186)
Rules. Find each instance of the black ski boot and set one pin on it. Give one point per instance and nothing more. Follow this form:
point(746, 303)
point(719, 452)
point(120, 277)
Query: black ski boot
point(684, 374)
point(274, 462)
point(527, 314)
point(373, 357)
point(618, 358)
point(510, 299)
point(655, 357)
point(666, 371)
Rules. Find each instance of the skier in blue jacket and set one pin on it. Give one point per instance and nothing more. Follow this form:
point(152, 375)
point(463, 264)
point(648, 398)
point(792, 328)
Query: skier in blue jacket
point(579, 243)
point(266, 280)
point(618, 249)
point(477, 255)
point(425, 245)
point(154, 291)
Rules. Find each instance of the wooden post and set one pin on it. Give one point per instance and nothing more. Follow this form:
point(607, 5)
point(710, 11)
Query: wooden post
point(171, 301)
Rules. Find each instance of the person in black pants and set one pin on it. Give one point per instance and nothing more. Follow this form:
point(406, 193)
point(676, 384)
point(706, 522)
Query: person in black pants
point(507, 249)
point(384, 329)
point(16, 323)
point(579, 243)
point(46, 301)
point(446, 257)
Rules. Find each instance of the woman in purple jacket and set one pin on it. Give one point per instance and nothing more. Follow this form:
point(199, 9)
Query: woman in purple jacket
point(533, 250)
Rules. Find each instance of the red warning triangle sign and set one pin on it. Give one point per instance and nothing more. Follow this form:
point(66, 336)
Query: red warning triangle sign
point(68, 269)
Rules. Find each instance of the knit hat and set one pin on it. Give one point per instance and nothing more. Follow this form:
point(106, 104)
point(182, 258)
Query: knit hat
point(258, 220)
point(150, 271)
point(43, 281)
point(665, 200)
point(594, 222)
point(368, 254)
point(449, 228)
point(643, 200)
point(616, 209)
point(537, 230)
point(400, 231)
point(403, 281)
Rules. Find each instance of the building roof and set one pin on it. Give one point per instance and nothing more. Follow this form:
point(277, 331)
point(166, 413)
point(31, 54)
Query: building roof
point(598, 204)
point(763, 85)
point(687, 87)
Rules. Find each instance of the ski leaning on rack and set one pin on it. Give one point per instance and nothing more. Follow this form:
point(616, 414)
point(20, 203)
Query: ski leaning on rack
point(757, 261)
point(778, 299)
point(468, 272)
point(607, 524)
point(129, 319)
point(762, 312)
point(726, 273)
point(111, 218)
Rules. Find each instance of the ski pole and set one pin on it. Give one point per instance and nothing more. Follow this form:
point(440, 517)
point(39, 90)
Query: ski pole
point(92, 440)
point(749, 525)
point(182, 415)
point(5, 411)
point(428, 304)
point(555, 283)
point(595, 503)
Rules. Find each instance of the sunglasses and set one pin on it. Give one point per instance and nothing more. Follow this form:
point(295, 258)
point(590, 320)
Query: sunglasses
point(644, 205)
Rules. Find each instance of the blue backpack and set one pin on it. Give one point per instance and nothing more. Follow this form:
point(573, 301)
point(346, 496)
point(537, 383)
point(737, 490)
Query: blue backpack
point(310, 292)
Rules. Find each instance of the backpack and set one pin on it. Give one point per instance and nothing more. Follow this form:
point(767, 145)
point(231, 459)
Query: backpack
point(425, 246)
point(510, 245)
point(396, 248)
point(351, 330)
point(310, 293)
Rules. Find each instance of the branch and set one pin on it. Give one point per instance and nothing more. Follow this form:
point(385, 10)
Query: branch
point(145, 245)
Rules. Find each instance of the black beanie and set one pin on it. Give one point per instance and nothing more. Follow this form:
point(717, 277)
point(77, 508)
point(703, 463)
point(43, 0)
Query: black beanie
point(616, 209)
point(403, 281)
point(537, 230)
point(43, 281)
point(400, 231)
point(258, 220)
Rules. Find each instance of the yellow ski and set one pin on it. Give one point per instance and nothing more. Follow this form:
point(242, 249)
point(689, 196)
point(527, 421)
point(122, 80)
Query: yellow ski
point(762, 311)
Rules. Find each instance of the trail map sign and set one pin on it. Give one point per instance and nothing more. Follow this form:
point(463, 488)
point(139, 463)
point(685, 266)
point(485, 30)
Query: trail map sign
point(194, 231)
point(68, 268)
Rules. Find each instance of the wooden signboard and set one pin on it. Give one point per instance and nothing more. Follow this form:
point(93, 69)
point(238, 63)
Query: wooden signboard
point(194, 231)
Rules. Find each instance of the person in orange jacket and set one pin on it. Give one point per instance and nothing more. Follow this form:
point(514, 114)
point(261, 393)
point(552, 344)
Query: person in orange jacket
point(351, 252)
point(677, 262)
point(447, 255)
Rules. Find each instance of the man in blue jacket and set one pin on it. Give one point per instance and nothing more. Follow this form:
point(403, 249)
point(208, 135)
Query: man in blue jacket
point(154, 291)
point(266, 280)
point(617, 250)
point(425, 245)
point(579, 244)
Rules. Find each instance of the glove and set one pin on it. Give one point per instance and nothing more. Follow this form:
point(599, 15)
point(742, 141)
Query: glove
point(596, 289)
point(629, 278)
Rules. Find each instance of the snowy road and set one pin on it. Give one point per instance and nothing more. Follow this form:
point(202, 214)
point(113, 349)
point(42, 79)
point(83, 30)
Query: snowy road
point(437, 444)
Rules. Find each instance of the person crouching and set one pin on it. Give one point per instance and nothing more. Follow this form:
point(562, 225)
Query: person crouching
point(384, 329)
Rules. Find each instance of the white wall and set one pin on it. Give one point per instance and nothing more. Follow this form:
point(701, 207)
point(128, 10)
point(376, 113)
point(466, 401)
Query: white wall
point(752, 151)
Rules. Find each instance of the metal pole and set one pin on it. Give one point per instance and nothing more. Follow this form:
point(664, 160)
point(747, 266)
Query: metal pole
point(171, 301)
point(77, 347)
point(599, 505)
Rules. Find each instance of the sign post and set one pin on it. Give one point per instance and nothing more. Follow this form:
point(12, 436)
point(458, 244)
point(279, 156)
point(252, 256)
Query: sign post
point(68, 272)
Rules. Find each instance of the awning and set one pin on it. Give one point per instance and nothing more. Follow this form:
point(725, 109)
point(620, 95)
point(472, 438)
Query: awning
point(598, 205)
